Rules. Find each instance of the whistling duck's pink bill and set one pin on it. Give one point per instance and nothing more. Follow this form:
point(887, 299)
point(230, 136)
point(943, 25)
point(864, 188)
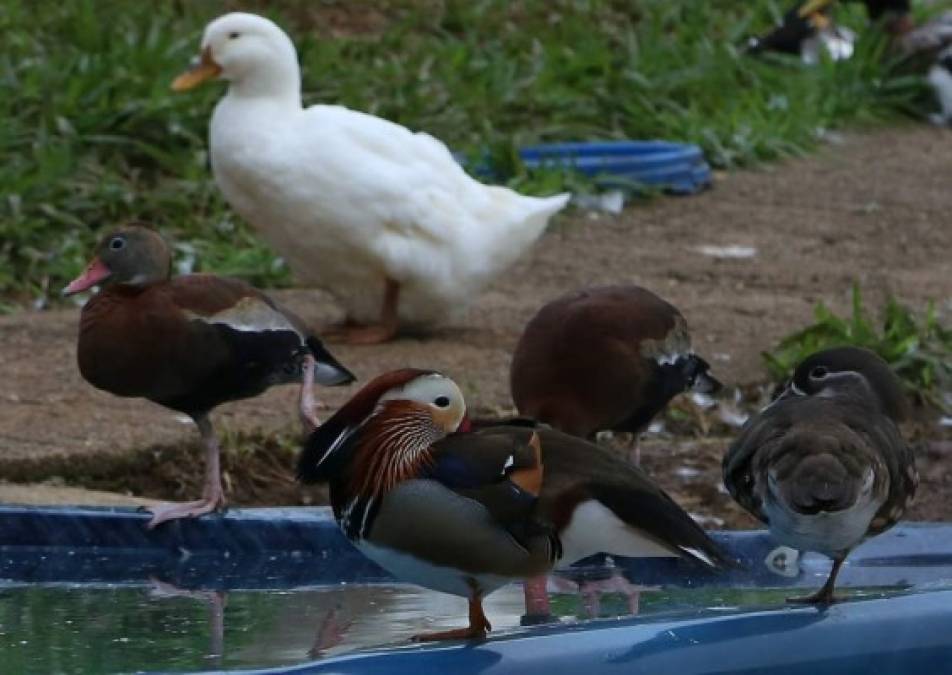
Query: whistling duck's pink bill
point(94, 274)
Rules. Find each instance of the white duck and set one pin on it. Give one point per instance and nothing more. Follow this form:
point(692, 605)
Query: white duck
point(356, 204)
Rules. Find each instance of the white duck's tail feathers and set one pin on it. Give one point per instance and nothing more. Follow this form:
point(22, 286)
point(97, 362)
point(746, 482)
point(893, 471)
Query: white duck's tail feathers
point(519, 221)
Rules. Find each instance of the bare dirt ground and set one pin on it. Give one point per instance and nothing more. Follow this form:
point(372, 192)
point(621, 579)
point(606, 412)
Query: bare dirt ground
point(872, 207)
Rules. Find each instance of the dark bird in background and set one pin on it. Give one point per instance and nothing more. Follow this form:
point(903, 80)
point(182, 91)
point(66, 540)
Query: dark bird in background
point(824, 466)
point(606, 358)
point(189, 343)
point(807, 19)
point(464, 512)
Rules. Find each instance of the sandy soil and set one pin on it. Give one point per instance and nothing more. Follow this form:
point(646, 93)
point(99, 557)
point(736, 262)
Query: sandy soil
point(870, 207)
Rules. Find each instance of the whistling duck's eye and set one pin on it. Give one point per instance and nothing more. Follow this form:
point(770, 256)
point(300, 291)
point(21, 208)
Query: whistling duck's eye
point(234, 36)
point(441, 402)
point(819, 372)
point(117, 243)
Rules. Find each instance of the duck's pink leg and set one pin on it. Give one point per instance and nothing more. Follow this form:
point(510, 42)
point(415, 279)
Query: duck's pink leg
point(538, 609)
point(213, 497)
point(308, 407)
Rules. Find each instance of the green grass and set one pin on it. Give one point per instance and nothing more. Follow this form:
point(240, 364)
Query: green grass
point(919, 348)
point(93, 136)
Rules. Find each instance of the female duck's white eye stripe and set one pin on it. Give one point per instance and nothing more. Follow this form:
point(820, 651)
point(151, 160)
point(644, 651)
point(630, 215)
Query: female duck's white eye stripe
point(796, 390)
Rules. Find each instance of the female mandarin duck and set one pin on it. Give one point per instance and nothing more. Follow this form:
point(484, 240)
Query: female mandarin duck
point(824, 466)
point(464, 513)
point(605, 359)
point(189, 343)
point(358, 205)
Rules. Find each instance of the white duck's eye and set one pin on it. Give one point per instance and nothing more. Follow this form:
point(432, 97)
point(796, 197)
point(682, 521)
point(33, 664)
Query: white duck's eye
point(117, 243)
point(234, 36)
point(819, 372)
point(441, 401)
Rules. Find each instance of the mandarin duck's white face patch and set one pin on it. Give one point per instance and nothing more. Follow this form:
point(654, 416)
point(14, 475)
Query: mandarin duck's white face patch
point(438, 393)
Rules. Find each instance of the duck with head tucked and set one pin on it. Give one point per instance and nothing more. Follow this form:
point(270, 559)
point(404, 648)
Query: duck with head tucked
point(824, 466)
point(383, 218)
point(464, 512)
point(189, 343)
point(606, 358)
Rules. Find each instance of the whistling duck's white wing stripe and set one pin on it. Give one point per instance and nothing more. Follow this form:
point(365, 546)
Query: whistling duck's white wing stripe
point(594, 528)
point(250, 314)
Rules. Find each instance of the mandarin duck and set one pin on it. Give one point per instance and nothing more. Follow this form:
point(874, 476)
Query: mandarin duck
point(358, 205)
point(464, 512)
point(824, 466)
point(807, 29)
point(189, 343)
point(606, 358)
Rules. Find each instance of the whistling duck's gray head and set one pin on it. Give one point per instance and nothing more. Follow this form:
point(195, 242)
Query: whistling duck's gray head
point(437, 394)
point(132, 255)
point(849, 371)
point(250, 51)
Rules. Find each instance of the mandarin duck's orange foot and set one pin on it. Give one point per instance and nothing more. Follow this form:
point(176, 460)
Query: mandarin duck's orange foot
point(478, 628)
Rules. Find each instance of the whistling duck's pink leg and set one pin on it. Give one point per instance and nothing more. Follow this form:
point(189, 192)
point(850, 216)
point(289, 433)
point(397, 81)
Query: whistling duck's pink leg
point(213, 497)
point(375, 333)
point(477, 629)
point(329, 634)
point(634, 451)
point(308, 407)
point(216, 610)
point(538, 609)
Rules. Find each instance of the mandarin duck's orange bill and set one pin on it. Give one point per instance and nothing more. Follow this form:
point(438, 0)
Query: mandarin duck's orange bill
point(466, 512)
point(824, 466)
point(189, 343)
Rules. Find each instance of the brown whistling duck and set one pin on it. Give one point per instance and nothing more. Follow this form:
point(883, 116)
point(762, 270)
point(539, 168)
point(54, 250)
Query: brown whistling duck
point(606, 358)
point(464, 512)
point(189, 343)
point(824, 465)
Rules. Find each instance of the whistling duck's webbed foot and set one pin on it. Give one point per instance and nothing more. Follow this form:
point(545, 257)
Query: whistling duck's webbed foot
point(825, 595)
point(538, 610)
point(308, 406)
point(213, 497)
point(478, 627)
point(353, 333)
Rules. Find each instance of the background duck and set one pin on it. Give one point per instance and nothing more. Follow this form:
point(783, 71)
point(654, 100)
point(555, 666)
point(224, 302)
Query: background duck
point(824, 466)
point(382, 217)
point(464, 513)
point(189, 343)
point(605, 358)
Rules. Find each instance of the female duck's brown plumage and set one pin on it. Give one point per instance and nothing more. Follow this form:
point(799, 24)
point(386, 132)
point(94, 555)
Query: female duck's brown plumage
point(189, 343)
point(466, 512)
point(824, 466)
point(604, 359)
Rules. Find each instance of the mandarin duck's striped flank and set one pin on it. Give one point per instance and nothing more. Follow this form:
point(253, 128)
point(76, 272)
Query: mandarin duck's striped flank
point(190, 343)
point(464, 513)
point(825, 466)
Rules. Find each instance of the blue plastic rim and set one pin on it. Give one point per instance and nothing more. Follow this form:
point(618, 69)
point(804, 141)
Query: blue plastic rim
point(676, 168)
point(910, 631)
